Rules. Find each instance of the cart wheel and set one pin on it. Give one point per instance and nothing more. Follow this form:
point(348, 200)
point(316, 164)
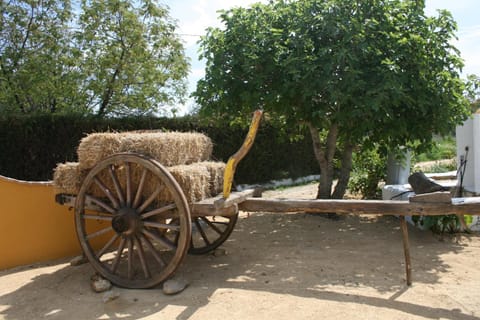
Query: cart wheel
point(128, 234)
point(209, 232)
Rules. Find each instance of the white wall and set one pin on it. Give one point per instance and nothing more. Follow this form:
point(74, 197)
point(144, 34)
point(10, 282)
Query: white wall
point(468, 135)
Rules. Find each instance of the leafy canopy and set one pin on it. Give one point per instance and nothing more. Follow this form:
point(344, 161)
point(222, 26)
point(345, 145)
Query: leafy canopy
point(380, 70)
point(109, 57)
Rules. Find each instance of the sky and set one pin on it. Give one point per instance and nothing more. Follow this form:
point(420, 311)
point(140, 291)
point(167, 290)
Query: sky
point(195, 16)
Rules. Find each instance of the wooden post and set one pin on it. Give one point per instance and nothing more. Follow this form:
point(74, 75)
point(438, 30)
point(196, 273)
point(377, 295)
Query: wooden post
point(406, 250)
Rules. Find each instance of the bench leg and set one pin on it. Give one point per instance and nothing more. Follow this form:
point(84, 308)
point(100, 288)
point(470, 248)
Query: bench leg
point(406, 250)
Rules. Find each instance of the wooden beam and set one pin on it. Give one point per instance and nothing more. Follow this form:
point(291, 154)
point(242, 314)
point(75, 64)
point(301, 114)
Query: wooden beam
point(219, 206)
point(236, 197)
point(383, 207)
point(433, 197)
point(202, 210)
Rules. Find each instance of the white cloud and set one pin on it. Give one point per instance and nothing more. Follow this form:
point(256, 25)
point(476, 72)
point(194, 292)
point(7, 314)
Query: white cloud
point(469, 45)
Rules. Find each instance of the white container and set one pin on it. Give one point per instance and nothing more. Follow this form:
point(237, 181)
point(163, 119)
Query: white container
point(398, 170)
point(468, 136)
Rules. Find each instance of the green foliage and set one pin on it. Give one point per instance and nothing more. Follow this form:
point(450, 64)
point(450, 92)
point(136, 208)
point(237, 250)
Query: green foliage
point(141, 59)
point(337, 61)
point(440, 167)
point(442, 148)
point(439, 224)
point(36, 71)
point(107, 57)
point(369, 169)
point(473, 93)
point(366, 72)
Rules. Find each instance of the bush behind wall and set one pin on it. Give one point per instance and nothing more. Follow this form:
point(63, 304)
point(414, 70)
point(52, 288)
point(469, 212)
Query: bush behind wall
point(33, 145)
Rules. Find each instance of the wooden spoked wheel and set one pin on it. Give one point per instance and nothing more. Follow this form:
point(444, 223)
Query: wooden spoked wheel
point(209, 232)
point(133, 221)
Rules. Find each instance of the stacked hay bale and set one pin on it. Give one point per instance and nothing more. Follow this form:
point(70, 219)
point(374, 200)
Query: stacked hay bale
point(68, 177)
point(186, 156)
point(168, 148)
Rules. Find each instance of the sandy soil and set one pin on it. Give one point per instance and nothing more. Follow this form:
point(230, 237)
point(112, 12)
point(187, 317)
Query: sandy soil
point(278, 266)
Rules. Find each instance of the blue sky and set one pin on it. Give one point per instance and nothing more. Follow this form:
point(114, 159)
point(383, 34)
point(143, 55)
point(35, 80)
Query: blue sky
point(194, 16)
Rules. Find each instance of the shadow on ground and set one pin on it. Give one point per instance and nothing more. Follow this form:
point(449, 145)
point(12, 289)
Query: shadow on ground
point(299, 255)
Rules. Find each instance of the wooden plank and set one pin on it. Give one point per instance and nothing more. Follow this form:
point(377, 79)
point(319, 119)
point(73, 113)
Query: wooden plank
point(219, 206)
point(202, 210)
point(383, 207)
point(236, 197)
point(436, 197)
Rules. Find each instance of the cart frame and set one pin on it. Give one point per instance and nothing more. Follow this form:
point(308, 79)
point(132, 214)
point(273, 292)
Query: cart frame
point(127, 217)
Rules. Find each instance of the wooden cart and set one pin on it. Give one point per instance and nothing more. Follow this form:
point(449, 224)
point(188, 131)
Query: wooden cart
point(136, 242)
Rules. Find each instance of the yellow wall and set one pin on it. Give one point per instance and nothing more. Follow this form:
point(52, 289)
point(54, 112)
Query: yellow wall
point(33, 227)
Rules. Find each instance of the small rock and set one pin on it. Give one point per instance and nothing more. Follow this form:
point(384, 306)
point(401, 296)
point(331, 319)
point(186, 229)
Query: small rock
point(110, 295)
point(78, 260)
point(219, 252)
point(99, 284)
point(174, 286)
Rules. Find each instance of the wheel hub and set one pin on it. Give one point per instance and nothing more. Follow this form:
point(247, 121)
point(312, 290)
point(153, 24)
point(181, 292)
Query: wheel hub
point(127, 221)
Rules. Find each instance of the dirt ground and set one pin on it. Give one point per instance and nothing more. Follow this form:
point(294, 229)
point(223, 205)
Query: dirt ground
point(278, 266)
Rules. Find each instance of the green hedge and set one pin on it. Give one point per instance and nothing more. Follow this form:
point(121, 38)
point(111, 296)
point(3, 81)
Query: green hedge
point(33, 145)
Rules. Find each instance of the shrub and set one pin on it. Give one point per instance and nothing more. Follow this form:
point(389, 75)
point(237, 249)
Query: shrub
point(369, 168)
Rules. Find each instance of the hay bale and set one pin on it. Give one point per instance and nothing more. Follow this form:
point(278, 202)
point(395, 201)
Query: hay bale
point(67, 178)
point(216, 170)
point(193, 179)
point(169, 148)
point(198, 180)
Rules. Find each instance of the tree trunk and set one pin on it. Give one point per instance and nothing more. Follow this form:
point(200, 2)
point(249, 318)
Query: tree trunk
point(107, 94)
point(324, 154)
point(109, 90)
point(346, 168)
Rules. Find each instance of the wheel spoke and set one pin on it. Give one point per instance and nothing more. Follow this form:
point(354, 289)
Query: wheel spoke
point(118, 188)
point(107, 246)
point(213, 231)
point(162, 225)
point(128, 182)
point(96, 217)
point(116, 261)
point(202, 232)
point(107, 192)
point(150, 199)
point(212, 225)
point(130, 249)
point(141, 254)
point(164, 242)
point(99, 232)
point(130, 259)
point(153, 250)
point(138, 196)
point(159, 211)
point(100, 203)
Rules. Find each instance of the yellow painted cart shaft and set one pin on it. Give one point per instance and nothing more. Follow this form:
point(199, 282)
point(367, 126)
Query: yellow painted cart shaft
point(240, 154)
